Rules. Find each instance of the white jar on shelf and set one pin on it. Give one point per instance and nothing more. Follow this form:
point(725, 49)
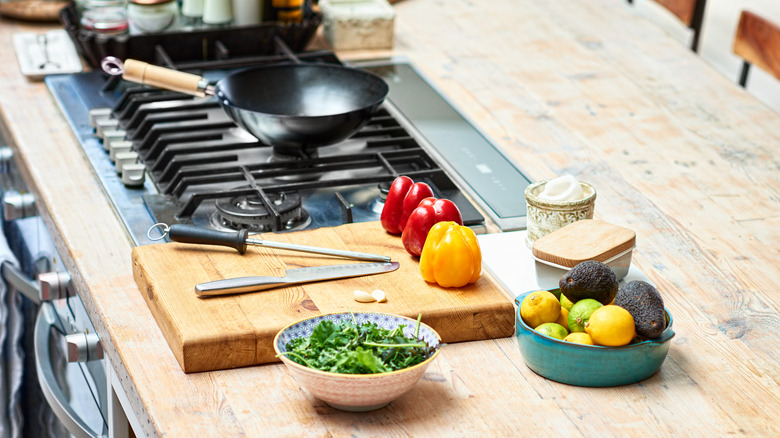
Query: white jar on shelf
point(152, 16)
point(358, 24)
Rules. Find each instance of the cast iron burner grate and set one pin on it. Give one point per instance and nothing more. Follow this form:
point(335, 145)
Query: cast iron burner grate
point(207, 171)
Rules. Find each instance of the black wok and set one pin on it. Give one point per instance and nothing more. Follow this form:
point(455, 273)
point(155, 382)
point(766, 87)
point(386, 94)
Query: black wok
point(292, 107)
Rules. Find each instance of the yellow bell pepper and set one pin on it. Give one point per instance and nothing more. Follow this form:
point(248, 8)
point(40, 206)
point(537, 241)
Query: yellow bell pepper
point(451, 256)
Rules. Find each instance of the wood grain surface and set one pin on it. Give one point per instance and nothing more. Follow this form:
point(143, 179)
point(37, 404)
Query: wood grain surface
point(588, 239)
point(682, 9)
point(678, 153)
point(233, 331)
point(758, 42)
point(32, 10)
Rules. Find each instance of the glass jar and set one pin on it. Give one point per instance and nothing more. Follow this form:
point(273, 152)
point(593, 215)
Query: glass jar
point(107, 17)
point(284, 11)
point(152, 16)
point(192, 13)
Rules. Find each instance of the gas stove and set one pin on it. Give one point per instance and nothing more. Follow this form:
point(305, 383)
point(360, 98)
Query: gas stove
point(164, 157)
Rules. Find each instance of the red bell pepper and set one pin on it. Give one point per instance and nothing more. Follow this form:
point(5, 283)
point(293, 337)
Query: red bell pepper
point(426, 215)
point(402, 198)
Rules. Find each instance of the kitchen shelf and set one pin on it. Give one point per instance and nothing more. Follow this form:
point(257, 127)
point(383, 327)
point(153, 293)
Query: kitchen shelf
point(204, 44)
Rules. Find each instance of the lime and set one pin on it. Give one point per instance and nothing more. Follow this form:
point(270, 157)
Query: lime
point(540, 307)
point(580, 313)
point(552, 330)
point(579, 338)
point(565, 302)
point(611, 326)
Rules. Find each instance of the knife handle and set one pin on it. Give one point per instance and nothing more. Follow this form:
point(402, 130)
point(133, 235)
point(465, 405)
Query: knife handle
point(191, 234)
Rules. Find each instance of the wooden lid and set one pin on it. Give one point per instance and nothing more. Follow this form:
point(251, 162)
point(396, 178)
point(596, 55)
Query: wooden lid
point(587, 239)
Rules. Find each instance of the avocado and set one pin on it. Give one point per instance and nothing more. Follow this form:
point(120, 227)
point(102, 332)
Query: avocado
point(590, 279)
point(645, 304)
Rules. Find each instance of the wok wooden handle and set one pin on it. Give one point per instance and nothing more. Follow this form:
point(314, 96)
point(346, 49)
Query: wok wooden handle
point(161, 77)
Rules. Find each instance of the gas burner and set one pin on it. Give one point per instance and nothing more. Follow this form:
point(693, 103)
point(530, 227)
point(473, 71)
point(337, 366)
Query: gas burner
point(251, 213)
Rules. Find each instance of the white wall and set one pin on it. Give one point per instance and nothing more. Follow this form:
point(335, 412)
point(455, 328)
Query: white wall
point(720, 25)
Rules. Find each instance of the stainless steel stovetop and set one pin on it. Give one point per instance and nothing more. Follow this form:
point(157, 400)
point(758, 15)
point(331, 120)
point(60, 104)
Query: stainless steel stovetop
point(417, 133)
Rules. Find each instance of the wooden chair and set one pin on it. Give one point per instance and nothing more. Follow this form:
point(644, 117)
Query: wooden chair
point(689, 12)
point(757, 42)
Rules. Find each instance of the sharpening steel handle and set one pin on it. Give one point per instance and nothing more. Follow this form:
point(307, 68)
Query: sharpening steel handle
point(193, 234)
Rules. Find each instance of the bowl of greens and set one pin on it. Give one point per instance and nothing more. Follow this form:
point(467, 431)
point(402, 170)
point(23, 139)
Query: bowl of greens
point(357, 361)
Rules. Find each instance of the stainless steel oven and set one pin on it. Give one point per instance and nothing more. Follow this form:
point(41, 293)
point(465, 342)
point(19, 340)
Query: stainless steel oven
point(55, 368)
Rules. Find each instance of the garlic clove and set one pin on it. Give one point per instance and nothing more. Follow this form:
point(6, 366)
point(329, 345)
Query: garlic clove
point(379, 295)
point(363, 297)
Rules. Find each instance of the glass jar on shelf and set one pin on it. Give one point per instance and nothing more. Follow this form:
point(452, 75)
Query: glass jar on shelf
point(152, 16)
point(106, 17)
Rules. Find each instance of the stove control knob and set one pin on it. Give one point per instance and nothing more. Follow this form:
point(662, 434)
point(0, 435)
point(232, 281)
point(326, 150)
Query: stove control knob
point(96, 114)
point(113, 136)
point(124, 159)
point(18, 205)
point(84, 347)
point(104, 125)
point(117, 147)
point(6, 155)
point(54, 285)
point(133, 175)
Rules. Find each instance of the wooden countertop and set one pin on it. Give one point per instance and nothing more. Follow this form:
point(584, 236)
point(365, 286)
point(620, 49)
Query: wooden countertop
point(678, 153)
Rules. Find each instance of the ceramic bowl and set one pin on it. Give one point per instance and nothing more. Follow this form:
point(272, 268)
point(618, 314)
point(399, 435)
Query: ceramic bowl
point(591, 365)
point(356, 392)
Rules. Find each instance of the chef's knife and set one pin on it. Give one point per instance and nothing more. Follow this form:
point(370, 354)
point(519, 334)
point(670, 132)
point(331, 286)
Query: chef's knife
point(293, 276)
point(192, 234)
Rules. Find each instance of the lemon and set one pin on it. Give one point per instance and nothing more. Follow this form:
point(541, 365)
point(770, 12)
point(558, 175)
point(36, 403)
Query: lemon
point(540, 307)
point(565, 302)
point(563, 318)
point(579, 338)
point(580, 313)
point(611, 326)
point(552, 330)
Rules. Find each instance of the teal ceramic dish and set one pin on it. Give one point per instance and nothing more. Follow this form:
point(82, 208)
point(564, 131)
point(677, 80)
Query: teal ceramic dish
point(591, 365)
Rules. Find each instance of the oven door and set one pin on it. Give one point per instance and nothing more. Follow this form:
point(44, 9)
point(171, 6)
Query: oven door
point(63, 360)
point(57, 374)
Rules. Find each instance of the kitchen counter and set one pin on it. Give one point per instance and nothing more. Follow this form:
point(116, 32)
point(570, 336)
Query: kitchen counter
point(677, 152)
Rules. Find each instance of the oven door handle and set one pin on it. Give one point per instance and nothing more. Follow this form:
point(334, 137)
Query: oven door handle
point(51, 390)
point(19, 281)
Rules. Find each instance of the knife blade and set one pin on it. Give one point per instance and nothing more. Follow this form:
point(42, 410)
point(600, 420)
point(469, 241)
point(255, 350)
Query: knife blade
point(292, 276)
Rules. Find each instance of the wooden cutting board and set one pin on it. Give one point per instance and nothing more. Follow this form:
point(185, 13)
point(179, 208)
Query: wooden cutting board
point(233, 331)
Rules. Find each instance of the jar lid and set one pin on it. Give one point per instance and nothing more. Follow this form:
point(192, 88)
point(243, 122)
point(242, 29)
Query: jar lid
point(587, 239)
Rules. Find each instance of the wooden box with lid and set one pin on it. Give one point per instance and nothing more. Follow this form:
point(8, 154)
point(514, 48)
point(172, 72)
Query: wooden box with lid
point(587, 239)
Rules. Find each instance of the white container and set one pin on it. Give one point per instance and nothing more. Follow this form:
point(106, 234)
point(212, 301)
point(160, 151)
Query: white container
point(619, 263)
point(358, 24)
point(152, 16)
point(587, 239)
point(247, 12)
point(192, 13)
point(217, 12)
